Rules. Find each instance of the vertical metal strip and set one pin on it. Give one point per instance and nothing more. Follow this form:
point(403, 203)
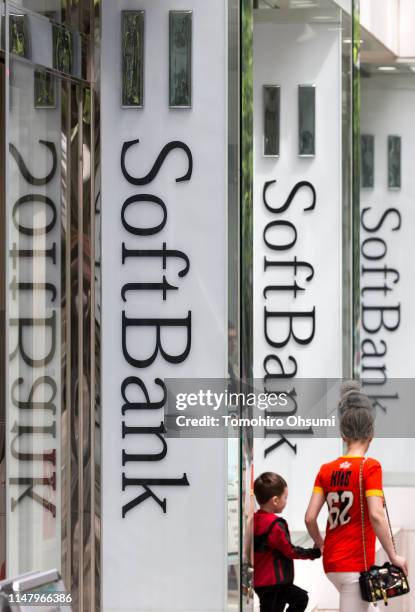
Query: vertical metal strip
point(92, 396)
point(233, 192)
point(87, 356)
point(246, 163)
point(67, 343)
point(6, 242)
point(6, 267)
point(95, 337)
point(75, 407)
point(70, 391)
point(3, 309)
point(347, 198)
point(356, 181)
point(97, 413)
point(97, 416)
point(81, 405)
point(69, 298)
point(246, 255)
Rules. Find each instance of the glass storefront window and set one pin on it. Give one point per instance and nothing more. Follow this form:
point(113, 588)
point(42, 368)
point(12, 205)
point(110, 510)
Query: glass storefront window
point(34, 319)
point(386, 244)
point(51, 373)
point(302, 211)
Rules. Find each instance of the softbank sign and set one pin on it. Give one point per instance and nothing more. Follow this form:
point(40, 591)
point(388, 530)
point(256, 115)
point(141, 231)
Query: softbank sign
point(136, 394)
point(34, 338)
point(164, 314)
point(297, 215)
point(297, 247)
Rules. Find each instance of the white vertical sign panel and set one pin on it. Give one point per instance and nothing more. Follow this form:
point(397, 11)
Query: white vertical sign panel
point(290, 55)
point(164, 536)
point(386, 258)
point(34, 320)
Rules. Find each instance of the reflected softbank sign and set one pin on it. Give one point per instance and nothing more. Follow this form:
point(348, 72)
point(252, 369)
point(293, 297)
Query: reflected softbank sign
point(34, 323)
point(297, 239)
point(164, 300)
point(387, 252)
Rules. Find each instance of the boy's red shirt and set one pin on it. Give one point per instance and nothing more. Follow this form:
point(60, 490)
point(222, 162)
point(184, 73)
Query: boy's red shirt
point(338, 481)
point(274, 551)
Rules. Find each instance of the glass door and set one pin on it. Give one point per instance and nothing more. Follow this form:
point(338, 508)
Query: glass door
point(49, 269)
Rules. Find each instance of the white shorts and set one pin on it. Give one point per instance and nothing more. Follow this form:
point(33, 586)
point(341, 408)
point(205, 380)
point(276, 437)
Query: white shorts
point(347, 583)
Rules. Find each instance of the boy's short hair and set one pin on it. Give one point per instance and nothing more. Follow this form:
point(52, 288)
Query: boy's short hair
point(268, 485)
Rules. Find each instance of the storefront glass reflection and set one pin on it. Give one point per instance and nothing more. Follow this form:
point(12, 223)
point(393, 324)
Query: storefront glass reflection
point(302, 211)
point(75, 13)
point(50, 309)
point(53, 45)
point(34, 272)
point(386, 241)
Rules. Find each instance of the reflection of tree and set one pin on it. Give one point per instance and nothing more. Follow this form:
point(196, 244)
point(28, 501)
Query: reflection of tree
point(18, 38)
point(367, 161)
point(270, 122)
point(131, 44)
point(181, 60)
point(394, 166)
point(306, 142)
point(181, 88)
point(62, 48)
point(44, 89)
point(181, 34)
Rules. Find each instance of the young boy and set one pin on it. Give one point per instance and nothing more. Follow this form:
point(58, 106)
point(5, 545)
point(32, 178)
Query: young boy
point(273, 550)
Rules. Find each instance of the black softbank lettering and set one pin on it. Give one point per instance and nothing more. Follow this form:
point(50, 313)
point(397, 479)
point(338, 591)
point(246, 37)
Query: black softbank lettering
point(276, 367)
point(380, 311)
point(134, 391)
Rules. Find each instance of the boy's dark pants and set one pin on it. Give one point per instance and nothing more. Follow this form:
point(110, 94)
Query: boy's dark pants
point(275, 598)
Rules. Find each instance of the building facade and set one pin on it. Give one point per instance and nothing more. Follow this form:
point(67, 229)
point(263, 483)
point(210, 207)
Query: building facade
point(195, 192)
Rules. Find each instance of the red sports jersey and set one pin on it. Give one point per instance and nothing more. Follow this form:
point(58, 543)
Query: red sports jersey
point(338, 481)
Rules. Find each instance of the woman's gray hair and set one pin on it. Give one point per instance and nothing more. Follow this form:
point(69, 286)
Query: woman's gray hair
point(356, 412)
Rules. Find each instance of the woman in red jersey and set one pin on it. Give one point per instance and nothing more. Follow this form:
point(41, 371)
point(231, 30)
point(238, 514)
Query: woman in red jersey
point(338, 484)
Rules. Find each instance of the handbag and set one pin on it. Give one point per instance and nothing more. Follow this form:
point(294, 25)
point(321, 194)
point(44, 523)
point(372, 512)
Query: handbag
point(379, 582)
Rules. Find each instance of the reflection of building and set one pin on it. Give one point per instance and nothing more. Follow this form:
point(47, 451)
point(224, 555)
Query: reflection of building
point(89, 483)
